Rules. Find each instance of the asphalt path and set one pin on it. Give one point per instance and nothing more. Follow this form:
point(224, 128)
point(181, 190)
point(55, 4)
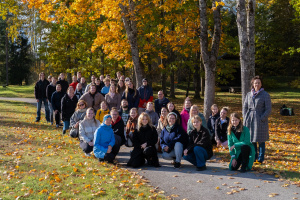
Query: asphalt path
point(217, 182)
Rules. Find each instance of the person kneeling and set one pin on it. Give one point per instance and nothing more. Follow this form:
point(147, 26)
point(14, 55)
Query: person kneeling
point(200, 148)
point(241, 149)
point(144, 140)
point(87, 128)
point(104, 141)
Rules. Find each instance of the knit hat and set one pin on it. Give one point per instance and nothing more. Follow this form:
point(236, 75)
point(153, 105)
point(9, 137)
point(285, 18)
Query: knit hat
point(106, 117)
point(144, 79)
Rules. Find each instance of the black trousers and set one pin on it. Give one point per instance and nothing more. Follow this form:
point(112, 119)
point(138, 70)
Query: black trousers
point(86, 148)
point(57, 117)
point(138, 156)
point(243, 158)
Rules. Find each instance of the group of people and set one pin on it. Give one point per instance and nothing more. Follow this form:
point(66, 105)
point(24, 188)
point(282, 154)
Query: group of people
point(109, 113)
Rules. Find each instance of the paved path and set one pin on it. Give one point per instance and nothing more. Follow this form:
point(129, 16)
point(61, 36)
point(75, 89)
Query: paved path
point(214, 183)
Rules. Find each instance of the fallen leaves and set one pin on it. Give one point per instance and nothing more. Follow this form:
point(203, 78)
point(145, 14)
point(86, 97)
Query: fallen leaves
point(273, 194)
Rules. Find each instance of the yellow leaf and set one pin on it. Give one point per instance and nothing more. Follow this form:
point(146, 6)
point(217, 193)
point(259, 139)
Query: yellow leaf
point(75, 169)
point(141, 194)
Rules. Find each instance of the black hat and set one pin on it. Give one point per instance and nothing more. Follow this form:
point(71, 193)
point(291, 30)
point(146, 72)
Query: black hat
point(144, 79)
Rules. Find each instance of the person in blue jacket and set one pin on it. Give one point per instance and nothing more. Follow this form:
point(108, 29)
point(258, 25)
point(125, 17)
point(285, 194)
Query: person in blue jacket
point(104, 141)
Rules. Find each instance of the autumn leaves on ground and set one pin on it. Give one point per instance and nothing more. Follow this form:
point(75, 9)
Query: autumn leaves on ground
point(38, 162)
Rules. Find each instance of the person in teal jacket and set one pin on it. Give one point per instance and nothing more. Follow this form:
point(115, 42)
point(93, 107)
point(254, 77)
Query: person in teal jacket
point(104, 141)
point(241, 149)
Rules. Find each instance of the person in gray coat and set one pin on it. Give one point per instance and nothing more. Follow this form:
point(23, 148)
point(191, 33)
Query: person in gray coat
point(153, 115)
point(256, 110)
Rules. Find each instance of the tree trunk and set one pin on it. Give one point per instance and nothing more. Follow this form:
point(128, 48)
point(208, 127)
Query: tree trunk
point(6, 56)
point(246, 30)
point(131, 31)
point(197, 77)
point(172, 84)
point(102, 62)
point(209, 58)
point(164, 82)
point(189, 82)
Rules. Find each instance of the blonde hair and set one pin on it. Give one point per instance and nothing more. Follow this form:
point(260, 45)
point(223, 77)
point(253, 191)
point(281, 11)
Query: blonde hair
point(114, 109)
point(196, 117)
point(149, 104)
point(214, 105)
point(194, 107)
point(239, 128)
point(134, 109)
point(139, 124)
point(87, 111)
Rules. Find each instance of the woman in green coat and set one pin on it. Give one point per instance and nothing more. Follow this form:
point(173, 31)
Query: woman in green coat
point(241, 149)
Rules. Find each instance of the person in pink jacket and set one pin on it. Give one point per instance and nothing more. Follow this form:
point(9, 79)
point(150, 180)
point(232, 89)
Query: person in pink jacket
point(185, 113)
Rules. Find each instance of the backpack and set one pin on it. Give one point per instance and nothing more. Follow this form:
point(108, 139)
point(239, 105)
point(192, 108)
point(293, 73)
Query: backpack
point(284, 111)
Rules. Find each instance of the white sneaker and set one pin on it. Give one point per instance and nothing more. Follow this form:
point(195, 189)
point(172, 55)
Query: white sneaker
point(87, 154)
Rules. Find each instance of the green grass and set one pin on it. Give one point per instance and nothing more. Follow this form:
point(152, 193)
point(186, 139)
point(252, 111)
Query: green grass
point(17, 91)
point(38, 162)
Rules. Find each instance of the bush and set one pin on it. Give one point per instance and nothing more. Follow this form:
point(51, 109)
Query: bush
point(295, 83)
point(270, 84)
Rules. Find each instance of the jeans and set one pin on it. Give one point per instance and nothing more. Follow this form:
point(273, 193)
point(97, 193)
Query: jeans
point(51, 112)
point(260, 156)
point(66, 125)
point(176, 153)
point(198, 157)
point(39, 106)
point(57, 118)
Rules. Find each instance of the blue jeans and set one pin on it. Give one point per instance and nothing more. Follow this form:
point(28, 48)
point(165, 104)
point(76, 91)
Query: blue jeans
point(51, 112)
point(39, 106)
point(198, 157)
point(176, 153)
point(66, 125)
point(260, 156)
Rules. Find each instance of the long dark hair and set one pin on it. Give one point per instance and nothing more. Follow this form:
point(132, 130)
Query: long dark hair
point(127, 90)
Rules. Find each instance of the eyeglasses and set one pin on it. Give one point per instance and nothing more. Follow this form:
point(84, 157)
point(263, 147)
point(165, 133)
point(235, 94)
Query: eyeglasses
point(81, 105)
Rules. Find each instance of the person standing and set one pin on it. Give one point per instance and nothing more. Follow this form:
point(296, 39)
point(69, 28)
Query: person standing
point(56, 103)
point(83, 84)
point(256, 110)
point(131, 95)
point(146, 95)
point(78, 77)
point(106, 87)
point(79, 91)
point(74, 82)
point(160, 102)
point(49, 91)
point(64, 84)
point(113, 98)
point(185, 113)
point(93, 82)
point(68, 106)
point(40, 96)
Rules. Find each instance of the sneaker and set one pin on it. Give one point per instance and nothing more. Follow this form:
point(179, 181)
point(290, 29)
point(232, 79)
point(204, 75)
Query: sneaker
point(64, 131)
point(177, 165)
point(87, 154)
point(37, 120)
point(57, 126)
point(243, 170)
point(201, 168)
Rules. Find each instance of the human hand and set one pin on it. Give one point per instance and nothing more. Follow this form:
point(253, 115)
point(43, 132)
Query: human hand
point(77, 124)
point(37, 100)
point(166, 148)
point(143, 146)
point(219, 143)
point(55, 111)
point(185, 152)
point(91, 143)
point(233, 163)
point(109, 149)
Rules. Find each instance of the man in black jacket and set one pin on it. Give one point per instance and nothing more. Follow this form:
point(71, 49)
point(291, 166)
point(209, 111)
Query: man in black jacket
point(40, 95)
point(64, 84)
point(49, 91)
point(162, 101)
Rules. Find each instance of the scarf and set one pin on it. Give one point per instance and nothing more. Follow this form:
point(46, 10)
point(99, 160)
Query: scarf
point(169, 128)
point(188, 109)
point(254, 93)
point(131, 125)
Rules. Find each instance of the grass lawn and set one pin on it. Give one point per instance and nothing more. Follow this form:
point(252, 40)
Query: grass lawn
point(26, 91)
point(38, 162)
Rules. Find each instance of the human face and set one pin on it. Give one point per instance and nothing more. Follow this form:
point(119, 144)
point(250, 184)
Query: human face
point(114, 115)
point(90, 114)
point(144, 121)
point(171, 107)
point(103, 106)
point(62, 76)
point(42, 76)
point(133, 114)
point(71, 91)
point(124, 103)
point(194, 111)
point(108, 121)
point(107, 83)
point(121, 83)
point(171, 120)
point(197, 124)
point(82, 80)
point(101, 78)
point(78, 74)
point(81, 105)
point(93, 89)
point(97, 82)
point(257, 84)
point(79, 86)
point(74, 79)
point(164, 112)
point(187, 104)
point(145, 83)
point(214, 110)
point(130, 85)
point(150, 106)
point(58, 88)
point(235, 121)
point(54, 80)
point(113, 88)
point(223, 114)
point(160, 95)
point(122, 78)
point(93, 78)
